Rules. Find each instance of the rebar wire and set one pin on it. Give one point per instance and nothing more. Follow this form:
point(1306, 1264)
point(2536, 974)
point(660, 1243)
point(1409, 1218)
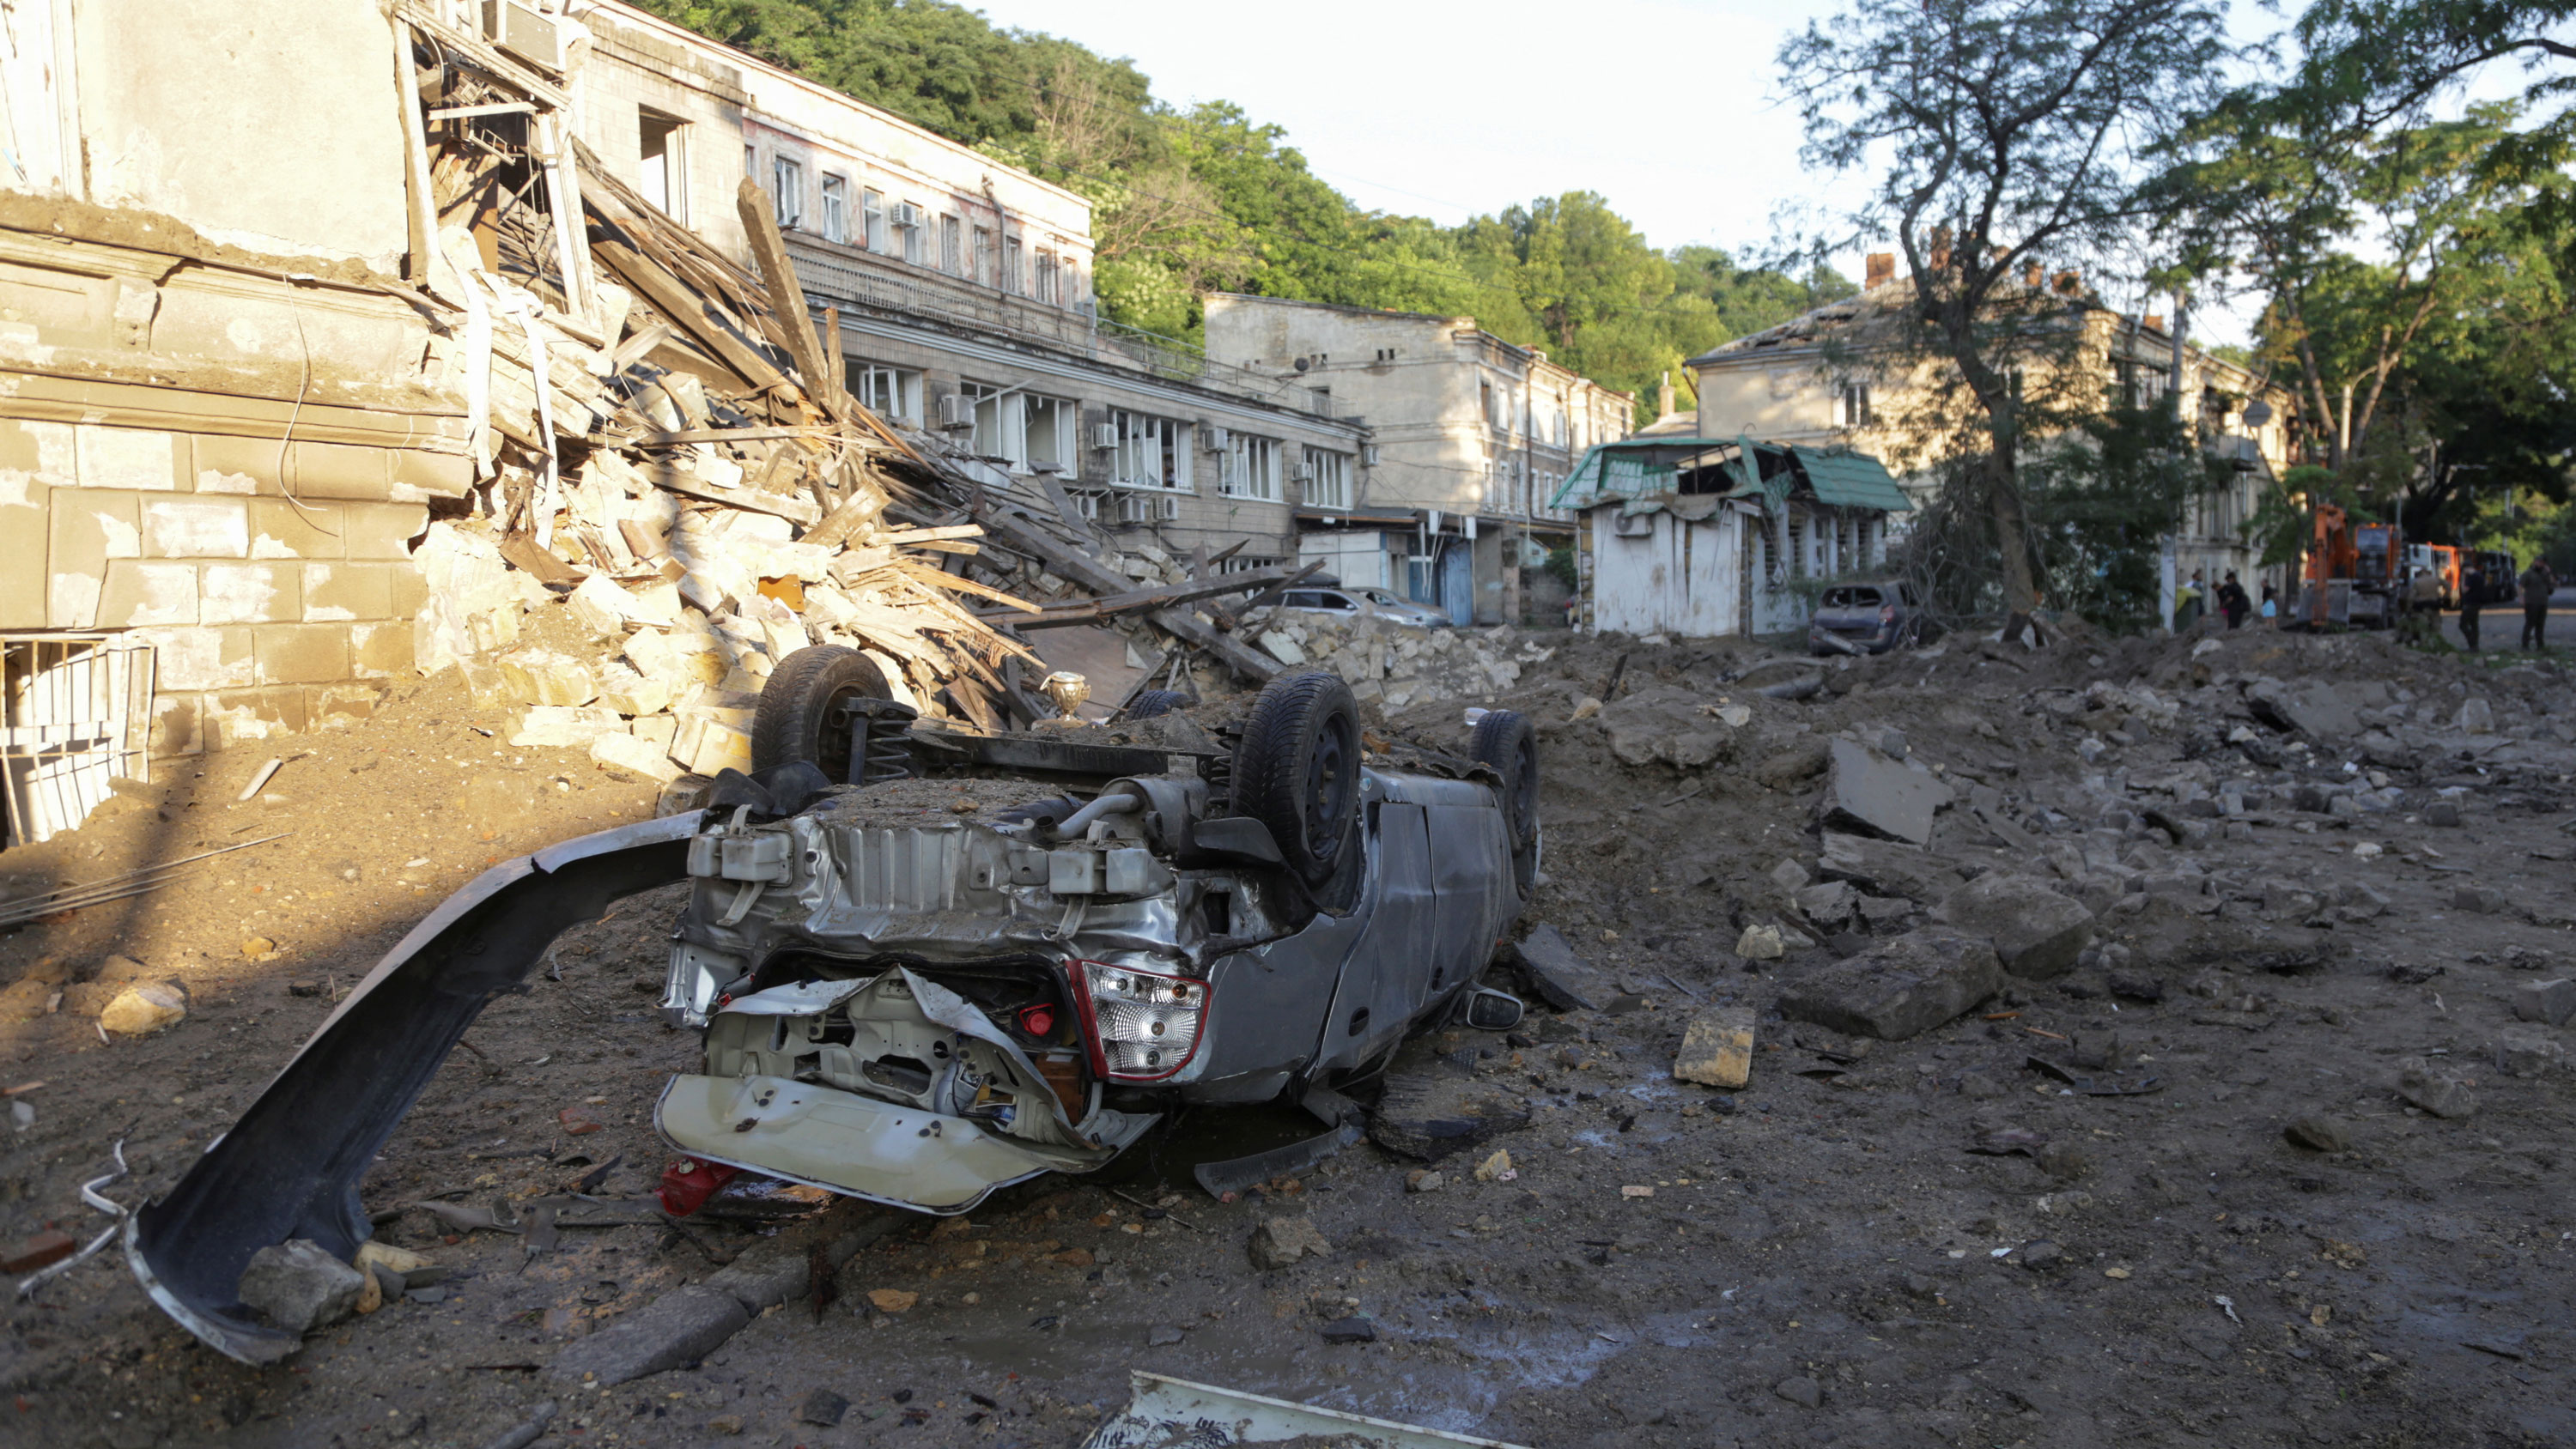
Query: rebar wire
point(90, 1194)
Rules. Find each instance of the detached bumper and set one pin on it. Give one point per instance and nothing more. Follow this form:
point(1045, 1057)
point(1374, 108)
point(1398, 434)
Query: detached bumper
point(884, 1152)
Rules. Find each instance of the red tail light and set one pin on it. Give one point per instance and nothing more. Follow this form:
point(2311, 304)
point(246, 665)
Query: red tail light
point(1139, 1026)
point(1887, 613)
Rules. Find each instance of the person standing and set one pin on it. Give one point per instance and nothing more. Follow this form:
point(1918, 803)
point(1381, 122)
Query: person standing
point(2188, 602)
point(2271, 604)
point(2232, 601)
point(2538, 583)
point(2473, 593)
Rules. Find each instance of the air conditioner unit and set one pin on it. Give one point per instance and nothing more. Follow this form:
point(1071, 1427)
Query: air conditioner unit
point(1302, 473)
point(1368, 456)
point(1218, 439)
point(1104, 436)
point(1086, 504)
point(1135, 508)
point(1167, 509)
point(522, 32)
point(1633, 525)
point(956, 413)
point(906, 214)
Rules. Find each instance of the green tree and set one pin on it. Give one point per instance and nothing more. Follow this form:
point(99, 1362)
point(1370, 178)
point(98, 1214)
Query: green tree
point(2001, 134)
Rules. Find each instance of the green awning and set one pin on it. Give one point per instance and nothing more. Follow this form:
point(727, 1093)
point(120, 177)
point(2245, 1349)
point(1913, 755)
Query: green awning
point(1851, 480)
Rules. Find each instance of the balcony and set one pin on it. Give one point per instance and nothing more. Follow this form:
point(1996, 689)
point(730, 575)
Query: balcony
point(894, 290)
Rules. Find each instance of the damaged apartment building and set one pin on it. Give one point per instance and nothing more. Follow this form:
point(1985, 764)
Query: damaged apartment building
point(1471, 439)
point(242, 384)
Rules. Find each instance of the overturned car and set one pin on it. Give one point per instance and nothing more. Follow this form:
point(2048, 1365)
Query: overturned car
point(917, 1008)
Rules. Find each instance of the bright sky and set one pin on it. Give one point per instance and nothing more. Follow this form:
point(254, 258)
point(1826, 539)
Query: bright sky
point(1668, 108)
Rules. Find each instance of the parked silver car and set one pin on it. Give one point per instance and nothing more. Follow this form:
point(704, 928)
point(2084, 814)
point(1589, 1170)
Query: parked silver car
point(916, 1007)
point(1351, 603)
point(1869, 618)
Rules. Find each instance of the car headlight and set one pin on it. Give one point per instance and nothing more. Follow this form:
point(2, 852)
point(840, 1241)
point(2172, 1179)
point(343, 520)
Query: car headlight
point(1142, 1026)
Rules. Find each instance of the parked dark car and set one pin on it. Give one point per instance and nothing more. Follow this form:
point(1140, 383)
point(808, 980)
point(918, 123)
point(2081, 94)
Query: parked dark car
point(1869, 618)
point(914, 1004)
point(2504, 583)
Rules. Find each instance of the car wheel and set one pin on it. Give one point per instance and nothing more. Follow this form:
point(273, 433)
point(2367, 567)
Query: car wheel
point(1508, 741)
point(1297, 769)
point(1156, 701)
point(800, 715)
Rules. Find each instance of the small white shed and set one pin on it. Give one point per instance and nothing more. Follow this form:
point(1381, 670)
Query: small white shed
point(1701, 537)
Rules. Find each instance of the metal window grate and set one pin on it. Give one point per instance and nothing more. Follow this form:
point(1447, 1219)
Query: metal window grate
point(75, 713)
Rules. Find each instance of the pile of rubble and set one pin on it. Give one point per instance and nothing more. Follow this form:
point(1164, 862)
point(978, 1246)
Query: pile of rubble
point(664, 446)
point(1392, 665)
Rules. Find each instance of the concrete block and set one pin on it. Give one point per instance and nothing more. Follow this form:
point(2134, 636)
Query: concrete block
point(554, 726)
point(24, 500)
point(1868, 791)
point(143, 458)
point(339, 471)
point(1717, 1048)
point(299, 1287)
point(443, 475)
point(2520, 1051)
point(657, 730)
point(2550, 1002)
point(194, 658)
point(600, 606)
point(191, 525)
point(39, 453)
point(2037, 933)
point(382, 530)
point(624, 690)
point(407, 590)
point(301, 653)
point(1829, 903)
point(1901, 989)
point(673, 1331)
point(237, 715)
point(219, 463)
point(635, 755)
point(281, 529)
point(250, 593)
point(345, 703)
point(140, 593)
point(380, 649)
point(544, 676)
point(90, 527)
point(2434, 1089)
point(705, 747)
point(175, 727)
point(1885, 868)
point(682, 657)
point(351, 590)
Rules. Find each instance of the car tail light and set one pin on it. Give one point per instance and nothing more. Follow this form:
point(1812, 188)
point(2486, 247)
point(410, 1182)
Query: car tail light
point(1142, 1026)
point(1887, 613)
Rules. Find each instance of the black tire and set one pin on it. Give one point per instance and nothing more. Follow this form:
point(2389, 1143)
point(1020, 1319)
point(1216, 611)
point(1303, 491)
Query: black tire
point(1156, 701)
point(1508, 742)
point(800, 716)
point(1297, 770)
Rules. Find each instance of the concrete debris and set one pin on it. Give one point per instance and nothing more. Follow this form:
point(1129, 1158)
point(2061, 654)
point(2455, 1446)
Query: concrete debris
point(1871, 791)
point(1790, 877)
point(2476, 717)
point(2434, 1089)
point(2320, 1133)
point(1885, 867)
point(145, 1007)
point(674, 1330)
point(1801, 1390)
point(2313, 707)
point(1392, 665)
point(298, 1287)
point(1717, 1048)
point(1280, 1242)
point(1432, 1108)
point(2037, 932)
point(1547, 963)
point(1671, 726)
point(1900, 989)
point(1829, 904)
point(2528, 1051)
point(2549, 1002)
point(1760, 943)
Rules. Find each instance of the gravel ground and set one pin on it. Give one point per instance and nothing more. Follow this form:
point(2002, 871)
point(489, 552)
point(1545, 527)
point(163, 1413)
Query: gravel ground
point(1819, 1258)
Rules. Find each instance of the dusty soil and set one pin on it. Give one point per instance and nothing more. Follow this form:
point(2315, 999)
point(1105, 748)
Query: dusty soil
point(1818, 1258)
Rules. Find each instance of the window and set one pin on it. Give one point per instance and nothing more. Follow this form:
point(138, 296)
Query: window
point(1046, 278)
point(872, 216)
point(787, 191)
point(1012, 281)
point(661, 163)
point(1050, 423)
point(886, 391)
point(998, 432)
point(1151, 452)
point(907, 227)
point(1328, 479)
point(1852, 408)
point(1485, 404)
point(980, 265)
point(951, 254)
point(836, 208)
point(1251, 469)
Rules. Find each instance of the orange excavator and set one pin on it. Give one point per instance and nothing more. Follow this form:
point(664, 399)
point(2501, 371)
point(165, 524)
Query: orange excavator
point(2332, 561)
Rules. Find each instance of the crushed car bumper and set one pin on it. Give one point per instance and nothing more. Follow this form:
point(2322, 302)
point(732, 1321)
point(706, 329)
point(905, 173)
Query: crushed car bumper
point(881, 1151)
